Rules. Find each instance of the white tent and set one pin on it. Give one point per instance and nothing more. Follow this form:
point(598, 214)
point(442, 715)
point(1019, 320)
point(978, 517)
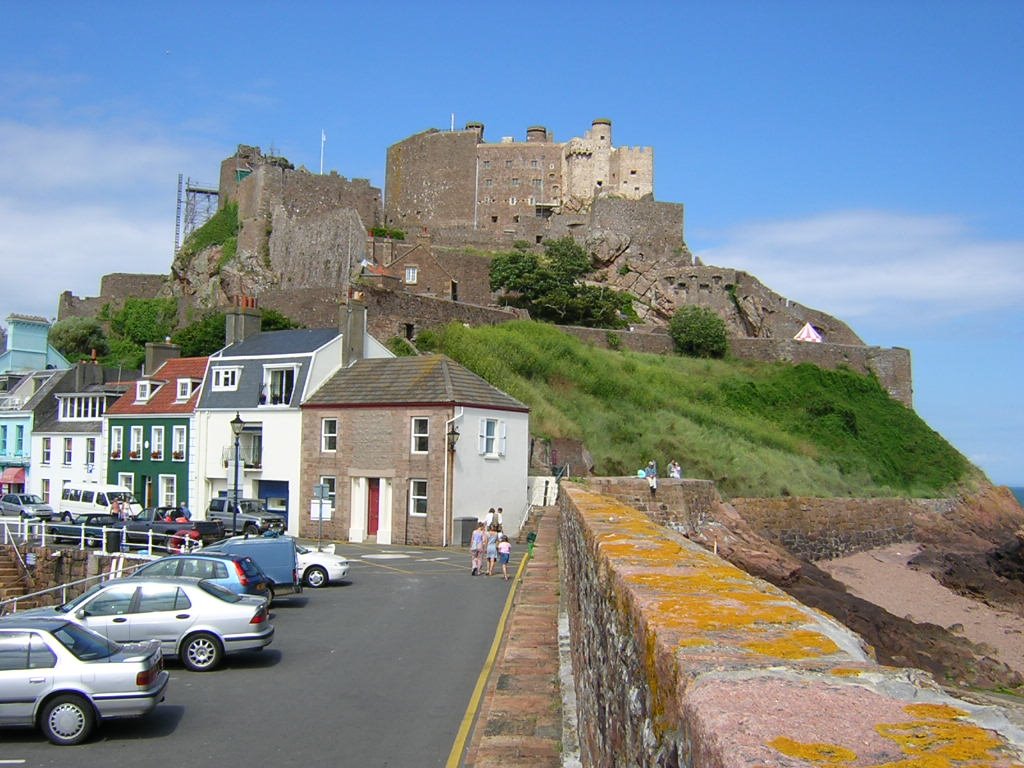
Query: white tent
point(807, 333)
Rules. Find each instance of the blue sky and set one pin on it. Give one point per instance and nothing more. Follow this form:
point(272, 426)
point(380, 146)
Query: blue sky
point(863, 158)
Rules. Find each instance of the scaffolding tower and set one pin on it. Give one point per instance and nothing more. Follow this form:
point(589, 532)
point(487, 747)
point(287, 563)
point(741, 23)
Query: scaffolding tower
point(196, 204)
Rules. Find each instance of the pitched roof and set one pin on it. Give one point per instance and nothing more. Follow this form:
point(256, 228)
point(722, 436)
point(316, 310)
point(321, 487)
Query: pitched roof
point(297, 341)
point(408, 380)
point(165, 399)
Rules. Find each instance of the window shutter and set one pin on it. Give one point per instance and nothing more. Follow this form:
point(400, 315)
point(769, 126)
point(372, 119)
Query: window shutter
point(502, 435)
point(482, 439)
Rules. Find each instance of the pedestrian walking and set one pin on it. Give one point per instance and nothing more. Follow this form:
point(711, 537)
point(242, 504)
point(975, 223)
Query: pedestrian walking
point(492, 549)
point(476, 548)
point(504, 554)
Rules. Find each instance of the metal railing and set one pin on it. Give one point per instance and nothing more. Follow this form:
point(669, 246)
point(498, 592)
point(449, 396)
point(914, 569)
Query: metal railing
point(109, 539)
point(116, 570)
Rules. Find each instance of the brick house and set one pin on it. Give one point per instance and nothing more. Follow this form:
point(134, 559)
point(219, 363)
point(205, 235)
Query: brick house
point(409, 448)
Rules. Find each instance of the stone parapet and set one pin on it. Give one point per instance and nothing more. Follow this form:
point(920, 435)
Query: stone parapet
point(681, 659)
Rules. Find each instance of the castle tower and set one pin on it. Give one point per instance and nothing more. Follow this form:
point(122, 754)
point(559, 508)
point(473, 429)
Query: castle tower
point(536, 133)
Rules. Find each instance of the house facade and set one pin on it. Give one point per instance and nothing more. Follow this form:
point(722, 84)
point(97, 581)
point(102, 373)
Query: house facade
point(260, 379)
point(406, 449)
point(150, 434)
point(17, 406)
point(67, 436)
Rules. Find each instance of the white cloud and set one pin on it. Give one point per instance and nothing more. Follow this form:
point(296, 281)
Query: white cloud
point(859, 264)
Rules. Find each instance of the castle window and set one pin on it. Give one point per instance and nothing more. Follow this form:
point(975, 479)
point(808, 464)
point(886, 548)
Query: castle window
point(508, 163)
point(488, 182)
point(600, 183)
point(487, 163)
point(515, 219)
point(515, 181)
point(512, 201)
point(533, 163)
point(411, 275)
point(632, 172)
point(494, 219)
point(536, 183)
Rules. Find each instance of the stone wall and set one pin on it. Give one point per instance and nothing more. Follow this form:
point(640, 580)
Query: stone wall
point(115, 288)
point(822, 529)
point(680, 659)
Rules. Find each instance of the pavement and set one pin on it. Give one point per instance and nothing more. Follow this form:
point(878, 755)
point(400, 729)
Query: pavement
point(519, 720)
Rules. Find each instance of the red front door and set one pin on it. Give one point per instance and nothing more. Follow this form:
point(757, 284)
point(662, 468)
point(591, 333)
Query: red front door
point(373, 507)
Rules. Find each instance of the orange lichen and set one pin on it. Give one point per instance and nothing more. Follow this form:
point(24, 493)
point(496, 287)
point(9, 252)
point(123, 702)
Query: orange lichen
point(846, 672)
point(817, 753)
point(800, 644)
point(939, 739)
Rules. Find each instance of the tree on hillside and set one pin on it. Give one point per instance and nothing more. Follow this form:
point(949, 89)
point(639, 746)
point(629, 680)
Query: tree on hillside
point(206, 335)
point(552, 288)
point(77, 337)
point(698, 332)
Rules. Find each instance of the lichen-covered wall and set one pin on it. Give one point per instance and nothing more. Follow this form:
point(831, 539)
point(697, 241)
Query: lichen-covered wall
point(681, 659)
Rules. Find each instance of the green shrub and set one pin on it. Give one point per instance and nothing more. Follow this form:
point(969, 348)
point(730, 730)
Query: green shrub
point(698, 332)
point(217, 230)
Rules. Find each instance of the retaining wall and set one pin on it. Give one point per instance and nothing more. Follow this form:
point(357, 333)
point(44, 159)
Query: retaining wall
point(681, 659)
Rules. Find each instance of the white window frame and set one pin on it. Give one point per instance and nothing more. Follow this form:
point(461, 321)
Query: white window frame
point(416, 484)
point(116, 442)
point(167, 490)
point(224, 378)
point(423, 435)
point(332, 484)
point(328, 438)
point(47, 450)
point(135, 443)
point(82, 407)
point(90, 451)
point(143, 390)
point(127, 479)
point(156, 442)
point(44, 489)
point(179, 437)
point(412, 274)
point(69, 451)
point(269, 374)
point(184, 389)
point(493, 438)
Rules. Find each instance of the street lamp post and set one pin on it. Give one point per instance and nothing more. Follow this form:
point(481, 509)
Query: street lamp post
point(236, 427)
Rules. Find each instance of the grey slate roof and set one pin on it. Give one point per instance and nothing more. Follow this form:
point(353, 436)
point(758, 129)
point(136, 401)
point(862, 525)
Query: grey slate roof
point(292, 342)
point(403, 380)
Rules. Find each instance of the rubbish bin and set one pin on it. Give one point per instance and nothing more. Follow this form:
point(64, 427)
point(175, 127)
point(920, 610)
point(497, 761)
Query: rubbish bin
point(464, 530)
point(112, 539)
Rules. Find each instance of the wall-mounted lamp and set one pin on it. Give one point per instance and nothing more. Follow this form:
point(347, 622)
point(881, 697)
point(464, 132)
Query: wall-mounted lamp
point(453, 437)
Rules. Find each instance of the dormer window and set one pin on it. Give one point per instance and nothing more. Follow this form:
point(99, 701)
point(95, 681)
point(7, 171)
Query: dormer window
point(225, 379)
point(278, 384)
point(185, 389)
point(143, 391)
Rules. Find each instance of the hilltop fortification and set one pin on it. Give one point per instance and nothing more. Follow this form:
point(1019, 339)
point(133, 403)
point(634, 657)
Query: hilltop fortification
point(453, 199)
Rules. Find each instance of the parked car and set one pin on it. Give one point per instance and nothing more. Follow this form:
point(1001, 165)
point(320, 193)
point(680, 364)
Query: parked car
point(275, 555)
point(195, 620)
point(320, 568)
point(250, 516)
point(155, 520)
point(62, 677)
point(97, 498)
point(239, 573)
point(88, 528)
point(27, 505)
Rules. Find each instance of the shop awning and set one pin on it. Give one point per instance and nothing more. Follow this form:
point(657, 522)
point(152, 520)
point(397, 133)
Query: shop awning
point(13, 476)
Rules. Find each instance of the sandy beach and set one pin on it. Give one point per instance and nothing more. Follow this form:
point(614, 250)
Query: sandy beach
point(882, 576)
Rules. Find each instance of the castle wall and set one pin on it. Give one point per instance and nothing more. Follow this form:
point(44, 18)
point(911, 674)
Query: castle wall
point(115, 288)
point(431, 177)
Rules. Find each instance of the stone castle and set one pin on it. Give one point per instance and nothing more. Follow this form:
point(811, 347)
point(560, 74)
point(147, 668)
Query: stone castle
point(306, 239)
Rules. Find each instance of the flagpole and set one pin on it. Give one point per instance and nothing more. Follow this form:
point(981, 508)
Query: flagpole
point(323, 140)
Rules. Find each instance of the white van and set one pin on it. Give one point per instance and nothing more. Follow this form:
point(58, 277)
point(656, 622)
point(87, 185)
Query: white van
point(96, 498)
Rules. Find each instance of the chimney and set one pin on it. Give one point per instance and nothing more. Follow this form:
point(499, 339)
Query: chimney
point(158, 353)
point(242, 320)
point(86, 374)
point(353, 329)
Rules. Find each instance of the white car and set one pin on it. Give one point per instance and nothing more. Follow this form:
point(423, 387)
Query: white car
point(320, 568)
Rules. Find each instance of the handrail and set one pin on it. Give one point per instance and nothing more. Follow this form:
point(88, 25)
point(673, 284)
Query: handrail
point(147, 539)
point(62, 588)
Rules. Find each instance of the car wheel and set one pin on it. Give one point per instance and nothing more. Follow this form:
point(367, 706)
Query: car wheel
point(201, 652)
point(315, 576)
point(251, 530)
point(67, 720)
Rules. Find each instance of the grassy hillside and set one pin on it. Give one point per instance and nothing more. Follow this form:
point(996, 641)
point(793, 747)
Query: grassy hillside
point(756, 429)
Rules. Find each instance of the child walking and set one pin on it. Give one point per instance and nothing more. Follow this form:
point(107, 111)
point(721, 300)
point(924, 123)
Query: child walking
point(476, 548)
point(504, 552)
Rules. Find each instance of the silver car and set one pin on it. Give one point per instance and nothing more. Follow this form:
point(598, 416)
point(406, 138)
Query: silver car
point(27, 505)
point(62, 677)
point(196, 620)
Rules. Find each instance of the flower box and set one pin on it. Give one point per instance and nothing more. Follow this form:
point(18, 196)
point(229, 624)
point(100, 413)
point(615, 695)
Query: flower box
point(156, 455)
point(115, 455)
point(133, 454)
point(178, 455)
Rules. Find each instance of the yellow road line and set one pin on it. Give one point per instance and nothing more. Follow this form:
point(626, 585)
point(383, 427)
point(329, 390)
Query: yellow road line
point(455, 756)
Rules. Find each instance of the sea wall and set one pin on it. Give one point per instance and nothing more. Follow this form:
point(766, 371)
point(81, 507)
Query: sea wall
point(823, 529)
point(681, 659)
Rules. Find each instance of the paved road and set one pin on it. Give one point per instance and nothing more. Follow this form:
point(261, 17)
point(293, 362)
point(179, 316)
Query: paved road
point(375, 672)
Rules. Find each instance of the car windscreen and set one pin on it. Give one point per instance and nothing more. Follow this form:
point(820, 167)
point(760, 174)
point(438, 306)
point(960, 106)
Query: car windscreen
point(30, 498)
point(84, 643)
point(70, 605)
point(124, 496)
point(221, 593)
